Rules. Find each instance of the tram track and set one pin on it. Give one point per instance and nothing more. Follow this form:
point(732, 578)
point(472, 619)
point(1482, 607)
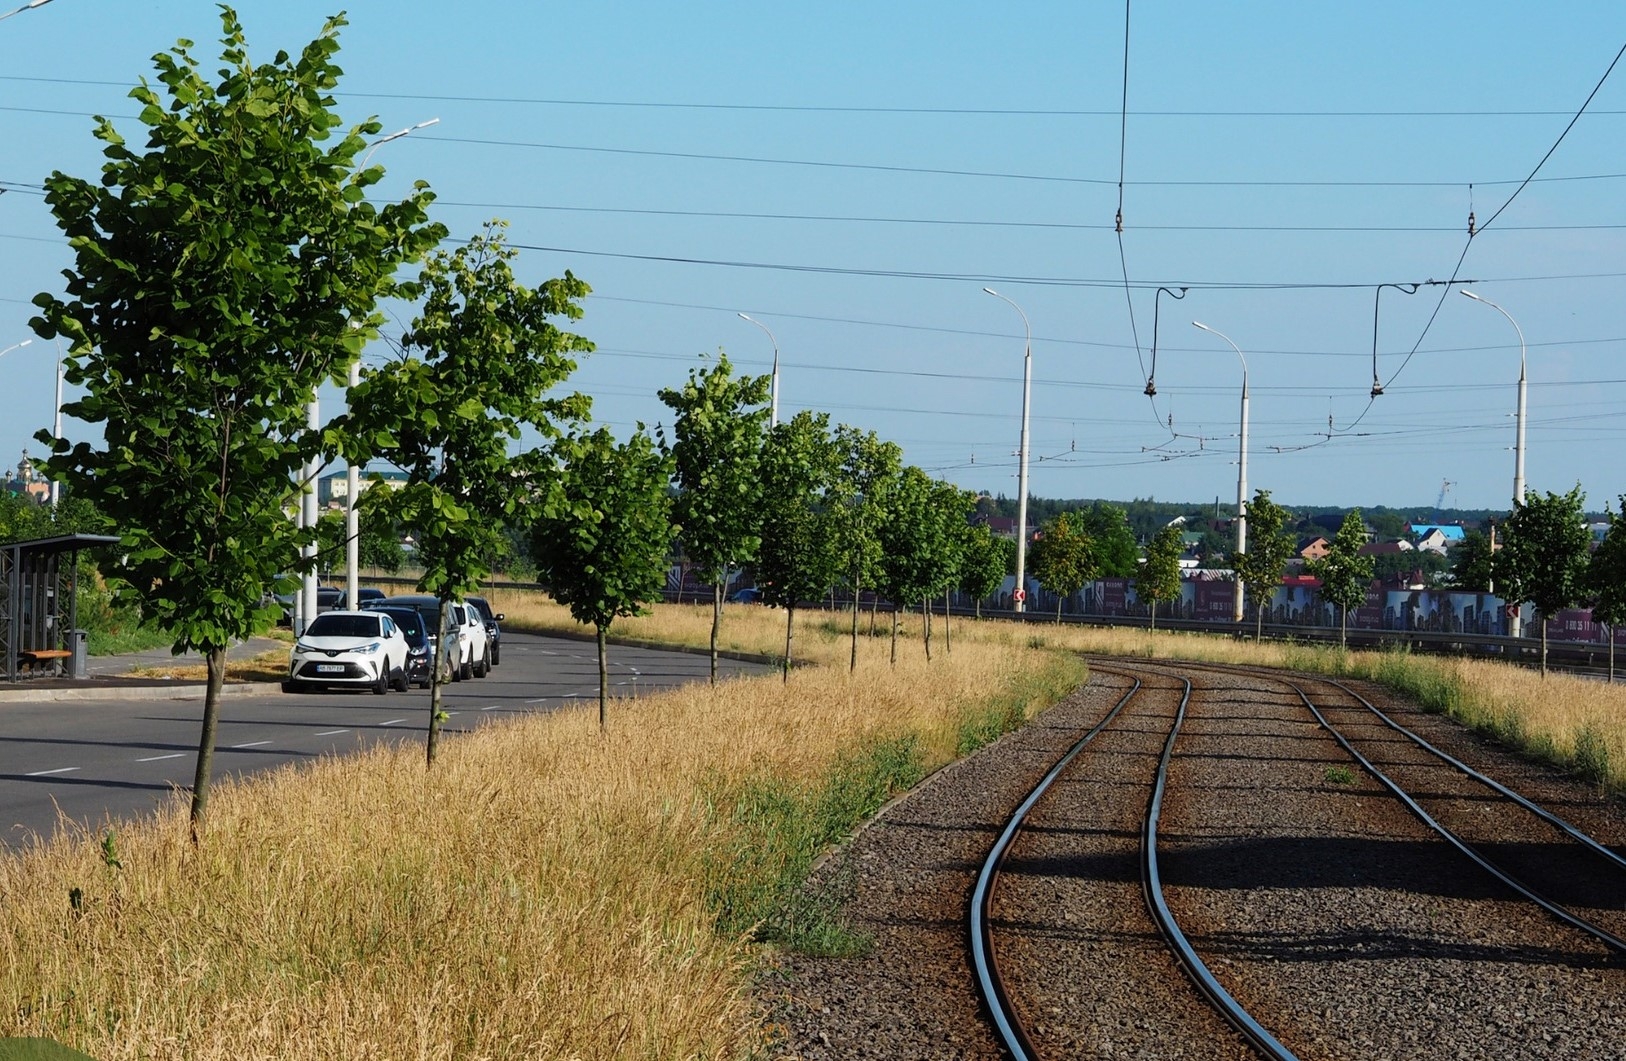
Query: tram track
point(1321, 906)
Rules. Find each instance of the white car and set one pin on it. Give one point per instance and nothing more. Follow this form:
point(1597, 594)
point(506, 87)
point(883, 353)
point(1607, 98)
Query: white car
point(364, 649)
point(474, 643)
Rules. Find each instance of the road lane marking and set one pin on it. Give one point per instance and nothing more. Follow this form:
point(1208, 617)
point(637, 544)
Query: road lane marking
point(332, 732)
point(392, 722)
point(48, 773)
point(251, 744)
point(155, 758)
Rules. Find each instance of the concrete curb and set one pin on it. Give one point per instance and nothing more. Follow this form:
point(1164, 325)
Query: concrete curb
point(174, 691)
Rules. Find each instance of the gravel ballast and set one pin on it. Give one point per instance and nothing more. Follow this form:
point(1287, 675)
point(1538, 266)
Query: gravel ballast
point(1345, 926)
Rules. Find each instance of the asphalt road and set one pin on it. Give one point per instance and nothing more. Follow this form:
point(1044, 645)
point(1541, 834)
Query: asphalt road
point(107, 760)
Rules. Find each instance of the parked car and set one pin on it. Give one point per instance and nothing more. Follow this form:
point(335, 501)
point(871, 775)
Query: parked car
point(365, 649)
point(749, 595)
point(420, 645)
point(365, 595)
point(328, 598)
point(493, 630)
point(472, 630)
point(469, 653)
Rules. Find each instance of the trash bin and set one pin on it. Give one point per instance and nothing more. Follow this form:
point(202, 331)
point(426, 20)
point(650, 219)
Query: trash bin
point(78, 645)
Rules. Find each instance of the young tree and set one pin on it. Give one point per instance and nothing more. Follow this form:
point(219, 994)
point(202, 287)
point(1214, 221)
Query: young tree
point(1472, 566)
point(950, 508)
point(1344, 572)
point(480, 357)
point(800, 556)
point(1544, 560)
point(1062, 558)
point(1606, 579)
point(221, 275)
point(718, 431)
point(1112, 541)
point(601, 545)
point(910, 535)
point(1270, 546)
point(867, 472)
point(984, 562)
point(1159, 577)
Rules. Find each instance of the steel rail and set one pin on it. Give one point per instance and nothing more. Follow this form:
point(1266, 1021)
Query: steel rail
point(1573, 832)
point(1604, 936)
point(983, 961)
point(1152, 884)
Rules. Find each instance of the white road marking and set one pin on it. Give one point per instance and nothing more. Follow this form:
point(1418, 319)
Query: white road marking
point(332, 732)
point(392, 722)
point(48, 773)
point(155, 758)
point(251, 744)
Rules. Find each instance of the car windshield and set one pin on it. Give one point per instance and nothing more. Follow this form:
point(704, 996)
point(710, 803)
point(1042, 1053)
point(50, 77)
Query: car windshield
point(482, 607)
point(331, 625)
point(410, 622)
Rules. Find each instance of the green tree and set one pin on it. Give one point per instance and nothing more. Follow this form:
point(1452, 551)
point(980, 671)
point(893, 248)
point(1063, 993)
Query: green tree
point(1113, 543)
point(951, 509)
point(1606, 578)
point(220, 276)
point(1344, 572)
point(1062, 558)
point(1270, 546)
point(718, 430)
point(1544, 560)
point(867, 471)
point(601, 544)
point(911, 547)
point(480, 358)
point(985, 560)
point(1471, 563)
point(800, 556)
point(1159, 577)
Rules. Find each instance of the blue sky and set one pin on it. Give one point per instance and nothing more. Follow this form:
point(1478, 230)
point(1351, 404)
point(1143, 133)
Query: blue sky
point(852, 176)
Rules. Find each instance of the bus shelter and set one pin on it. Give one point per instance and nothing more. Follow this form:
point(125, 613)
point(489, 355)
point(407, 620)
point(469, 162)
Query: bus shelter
point(39, 613)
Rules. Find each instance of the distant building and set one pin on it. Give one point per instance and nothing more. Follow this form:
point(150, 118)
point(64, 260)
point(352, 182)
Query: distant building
point(332, 489)
point(29, 483)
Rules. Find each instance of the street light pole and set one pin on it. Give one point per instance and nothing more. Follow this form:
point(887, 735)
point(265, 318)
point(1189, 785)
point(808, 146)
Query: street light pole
point(352, 475)
point(31, 5)
point(1019, 602)
point(773, 379)
point(1242, 472)
point(1518, 437)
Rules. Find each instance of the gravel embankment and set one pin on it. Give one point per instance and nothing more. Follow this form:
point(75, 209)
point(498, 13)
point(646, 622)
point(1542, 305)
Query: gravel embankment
point(1331, 912)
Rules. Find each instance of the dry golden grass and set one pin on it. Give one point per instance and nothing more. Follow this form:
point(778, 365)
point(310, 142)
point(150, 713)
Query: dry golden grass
point(541, 893)
point(268, 666)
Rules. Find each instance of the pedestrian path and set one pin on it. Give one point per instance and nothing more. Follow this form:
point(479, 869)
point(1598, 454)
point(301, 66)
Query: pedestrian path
point(112, 677)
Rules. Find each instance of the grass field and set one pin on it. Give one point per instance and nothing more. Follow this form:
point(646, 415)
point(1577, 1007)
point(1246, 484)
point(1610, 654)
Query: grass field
point(548, 890)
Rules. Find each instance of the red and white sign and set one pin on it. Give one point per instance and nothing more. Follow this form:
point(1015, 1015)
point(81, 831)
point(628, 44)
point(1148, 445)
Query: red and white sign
point(1019, 596)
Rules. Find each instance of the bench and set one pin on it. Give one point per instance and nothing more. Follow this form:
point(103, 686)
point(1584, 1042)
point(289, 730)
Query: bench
point(34, 657)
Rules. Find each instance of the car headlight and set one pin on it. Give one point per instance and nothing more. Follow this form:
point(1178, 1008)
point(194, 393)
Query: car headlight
point(301, 648)
point(417, 651)
point(367, 650)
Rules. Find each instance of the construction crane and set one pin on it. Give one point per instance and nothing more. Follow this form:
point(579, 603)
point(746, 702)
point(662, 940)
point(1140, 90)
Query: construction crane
point(1439, 502)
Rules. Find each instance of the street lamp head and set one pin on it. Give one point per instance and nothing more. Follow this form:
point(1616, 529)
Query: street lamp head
point(1471, 295)
point(991, 291)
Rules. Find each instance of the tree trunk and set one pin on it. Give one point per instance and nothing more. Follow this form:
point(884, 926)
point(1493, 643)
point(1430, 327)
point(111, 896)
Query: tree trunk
point(1544, 644)
point(874, 613)
point(979, 609)
point(206, 741)
point(1059, 599)
point(947, 607)
point(1154, 613)
point(1343, 627)
point(603, 678)
point(852, 663)
point(926, 617)
point(894, 635)
point(1258, 623)
point(439, 667)
point(716, 625)
point(1611, 632)
point(790, 634)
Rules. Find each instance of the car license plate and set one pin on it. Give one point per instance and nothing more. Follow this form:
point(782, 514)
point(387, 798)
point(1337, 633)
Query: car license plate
point(330, 668)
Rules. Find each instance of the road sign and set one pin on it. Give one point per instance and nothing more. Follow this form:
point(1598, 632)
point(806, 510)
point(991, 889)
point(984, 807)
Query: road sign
point(1019, 596)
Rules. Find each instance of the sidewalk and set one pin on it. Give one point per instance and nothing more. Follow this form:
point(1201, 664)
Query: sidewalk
point(111, 679)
